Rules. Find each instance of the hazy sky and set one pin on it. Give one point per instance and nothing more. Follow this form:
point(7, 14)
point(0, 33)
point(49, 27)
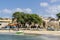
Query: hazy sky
point(44, 8)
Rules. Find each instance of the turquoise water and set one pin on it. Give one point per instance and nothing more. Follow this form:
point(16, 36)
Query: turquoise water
point(29, 37)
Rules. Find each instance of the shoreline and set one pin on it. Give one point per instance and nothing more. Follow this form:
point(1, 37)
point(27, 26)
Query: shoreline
point(57, 33)
point(43, 32)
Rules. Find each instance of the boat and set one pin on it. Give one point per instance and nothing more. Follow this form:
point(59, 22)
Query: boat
point(19, 33)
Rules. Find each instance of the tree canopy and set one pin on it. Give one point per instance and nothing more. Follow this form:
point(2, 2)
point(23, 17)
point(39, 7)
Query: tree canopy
point(26, 18)
point(58, 15)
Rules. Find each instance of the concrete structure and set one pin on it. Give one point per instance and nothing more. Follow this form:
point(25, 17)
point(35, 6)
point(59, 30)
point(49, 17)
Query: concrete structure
point(51, 22)
point(4, 22)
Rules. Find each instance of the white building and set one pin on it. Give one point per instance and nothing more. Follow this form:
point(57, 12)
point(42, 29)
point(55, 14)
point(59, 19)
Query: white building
point(4, 22)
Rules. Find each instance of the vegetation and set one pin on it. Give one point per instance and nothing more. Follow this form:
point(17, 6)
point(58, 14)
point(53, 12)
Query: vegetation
point(26, 18)
point(58, 15)
point(0, 18)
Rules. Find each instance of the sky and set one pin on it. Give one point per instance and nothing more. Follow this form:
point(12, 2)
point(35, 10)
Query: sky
point(45, 8)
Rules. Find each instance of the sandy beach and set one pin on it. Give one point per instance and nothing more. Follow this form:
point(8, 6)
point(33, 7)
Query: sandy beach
point(31, 32)
point(43, 32)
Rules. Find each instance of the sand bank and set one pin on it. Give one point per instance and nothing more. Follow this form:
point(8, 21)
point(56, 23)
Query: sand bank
point(33, 32)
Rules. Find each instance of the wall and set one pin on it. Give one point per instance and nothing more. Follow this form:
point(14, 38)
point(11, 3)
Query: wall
point(3, 24)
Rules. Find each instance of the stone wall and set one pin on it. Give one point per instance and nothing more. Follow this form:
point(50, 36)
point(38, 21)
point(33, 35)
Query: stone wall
point(55, 24)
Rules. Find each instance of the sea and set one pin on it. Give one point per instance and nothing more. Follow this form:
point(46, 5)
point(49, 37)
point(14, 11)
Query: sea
point(29, 37)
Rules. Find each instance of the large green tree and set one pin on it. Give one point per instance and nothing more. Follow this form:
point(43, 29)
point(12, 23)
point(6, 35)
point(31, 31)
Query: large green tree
point(19, 16)
point(58, 15)
point(26, 18)
point(1, 18)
